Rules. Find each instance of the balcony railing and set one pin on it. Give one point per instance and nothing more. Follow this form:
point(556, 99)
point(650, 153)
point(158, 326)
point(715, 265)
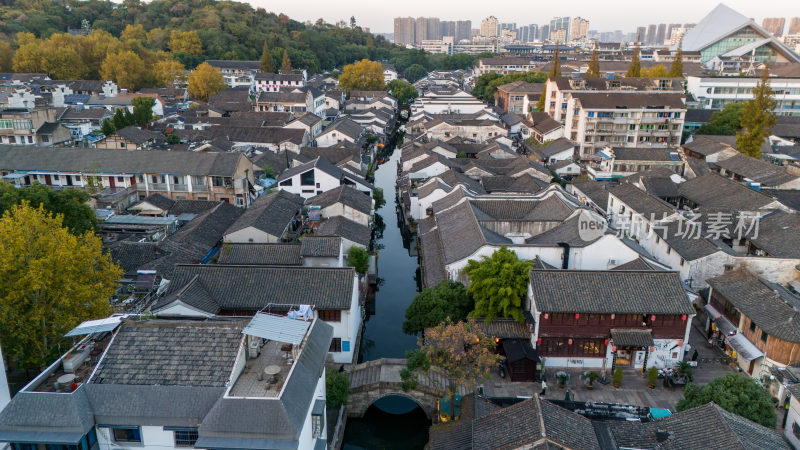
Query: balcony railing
point(158, 186)
point(180, 187)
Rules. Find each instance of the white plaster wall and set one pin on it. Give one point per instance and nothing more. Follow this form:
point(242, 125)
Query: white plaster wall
point(794, 418)
point(248, 235)
point(306, 439)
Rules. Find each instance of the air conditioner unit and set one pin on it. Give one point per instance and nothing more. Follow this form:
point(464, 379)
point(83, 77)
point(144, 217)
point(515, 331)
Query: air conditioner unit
point(613, 262)
point(254, 349)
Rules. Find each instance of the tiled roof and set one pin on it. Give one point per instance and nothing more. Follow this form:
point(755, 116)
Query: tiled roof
point(620, 292)
point(596, 191)
point(632, 337)
point(641, 202)
point(707, 426)
point(260, 254)
point(765, 306)
point(271, 213)
point(176, 353)
point(346, 195)
point(712, 190)
point(777, 235)
point(254, 287)
point(321, 246)
point(504, 329)
point(612, 100)
point(159, 201)
point(705, 146)
point(636, 264)
point(117, 161)
point(346, 228)
point(643, 154)
point(557, 146)
point(131, 256)
point(521, 184)
point(138, 135)
point(755, 169)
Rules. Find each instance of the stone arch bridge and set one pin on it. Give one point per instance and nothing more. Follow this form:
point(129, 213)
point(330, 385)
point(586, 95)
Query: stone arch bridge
point(380, 378)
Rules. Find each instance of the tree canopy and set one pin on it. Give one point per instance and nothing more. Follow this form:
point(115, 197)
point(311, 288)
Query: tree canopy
point(676, 69)
point(486, 84)
point(358, 258)
point(594, 64)
point(337, 388)
point(205, 81)
point(460, 351)
point(758, 118)
point(50, 281)
point(433, 306)
point(403, 91)
point(143, 110)
point(415, 72)
point(725, 121)
point(267, 66)
point(499, 284)
point(734, 393)
point(70, 203)
point(635, 69)
point(363, 75)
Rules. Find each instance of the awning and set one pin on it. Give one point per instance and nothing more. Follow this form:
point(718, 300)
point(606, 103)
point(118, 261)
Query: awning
point(744, 349)
point(724, 325)
point(277, 328)
point(517, 349)
point(632, 337)
point(96, 326)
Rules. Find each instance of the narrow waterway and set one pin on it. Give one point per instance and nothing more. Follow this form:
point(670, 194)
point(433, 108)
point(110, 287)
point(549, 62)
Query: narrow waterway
point(391, 422)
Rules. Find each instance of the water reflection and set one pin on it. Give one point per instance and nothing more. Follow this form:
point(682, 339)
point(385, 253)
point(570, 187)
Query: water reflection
point(390, 423)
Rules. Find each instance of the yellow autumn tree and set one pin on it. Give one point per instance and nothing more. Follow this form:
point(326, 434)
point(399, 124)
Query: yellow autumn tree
point(94, 49)
point(168, 72)
point(364, 75)
point(50, 281)
point(6, 56)
point(185, 41)
point(29, 56)
point(133, 32)
point(125, 68)
point(61, 58)
point(657, 71)
point(205, 81)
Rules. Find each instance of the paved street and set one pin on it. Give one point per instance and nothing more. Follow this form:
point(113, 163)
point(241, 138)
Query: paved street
point(634, 390)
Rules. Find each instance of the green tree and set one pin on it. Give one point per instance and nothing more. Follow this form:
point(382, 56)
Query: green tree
point(594, 64)
point(71, 203)
point(403, 91)
point(358, 258)
point(676, 69)
point(267, 66)
point(362, 75)
point(119, 120)
point(143, 110)
point(657, 71)
point(415, 72)
point(555, 65)
point(41, 296)
point(724, 122)
point(286, 63)
point(499, 284)
point(738, 394)
point(107, 127)
point(433, 306)
point(635, 69)
point(758, 118)
point(173, 139)
point(377, 195)
point(459, 351)
point(337, 388)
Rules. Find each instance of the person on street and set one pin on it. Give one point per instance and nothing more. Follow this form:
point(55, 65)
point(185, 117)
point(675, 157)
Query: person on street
point(544, 388)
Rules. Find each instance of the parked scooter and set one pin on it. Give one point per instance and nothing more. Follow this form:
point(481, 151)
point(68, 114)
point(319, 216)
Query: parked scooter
point(502, 369)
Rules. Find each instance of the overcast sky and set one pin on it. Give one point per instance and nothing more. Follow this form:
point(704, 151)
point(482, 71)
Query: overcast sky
point(609, 15)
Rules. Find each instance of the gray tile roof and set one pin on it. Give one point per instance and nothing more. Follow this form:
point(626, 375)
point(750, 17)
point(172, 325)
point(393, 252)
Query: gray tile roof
point(346, 228)
point(605, 292)
point(321, 246)
point(705, 146)
point(612, 100)
point(138, 135)
point(755, 169)
point(712, 190)
point(555, 147)
point(707, 426)
point(327, 167)
point(44, 416)
point(159, 201)
point(632, 337)
point(765, 306)
point(251, 288)
point(117, 161)
point(597, 191)
point(521, 184)
point(132, 256)
point(644, 154)
point(171, 353)
point(346, 195)
point(260, 254)
point(504, 329)
point(640, 201)
point(636, 264)
point(432, 263)
point(271, 213)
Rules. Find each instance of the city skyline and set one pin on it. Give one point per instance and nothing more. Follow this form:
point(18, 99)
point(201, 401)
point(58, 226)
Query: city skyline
point(379, 20)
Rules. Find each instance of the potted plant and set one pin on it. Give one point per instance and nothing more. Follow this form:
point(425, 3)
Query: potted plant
point(685, 370)
point(617, 377)
point(652, 375)
point(562, 379)
point(590, 377)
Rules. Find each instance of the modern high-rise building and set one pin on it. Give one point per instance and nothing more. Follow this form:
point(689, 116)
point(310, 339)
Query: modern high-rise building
point(463, 30)
point(794, 25)
point(508, 26)
point(578, 29)
point(774, 25)
point(448, 28)
point(560, 23)
point(404, 30)
point(434, 28)
point(661, 34)
point(559, 36)
point(533, 32)
point(651, 34)
point(641, 34)
point(421, 30)
point(490, 27)
point(544, 32)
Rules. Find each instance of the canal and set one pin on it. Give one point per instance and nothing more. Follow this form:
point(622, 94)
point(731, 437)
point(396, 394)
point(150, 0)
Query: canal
point(392, 422)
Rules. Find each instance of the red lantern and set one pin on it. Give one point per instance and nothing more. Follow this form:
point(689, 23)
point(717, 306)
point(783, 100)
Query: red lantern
point(653, 318)
point(612, 316)
point(577, 316)
point(539, 341)
point(614, 349)
point(683, 317)
point(605, 342)
point(569, 341)
point(546, 316)
point(497, 340)
point(652, 349)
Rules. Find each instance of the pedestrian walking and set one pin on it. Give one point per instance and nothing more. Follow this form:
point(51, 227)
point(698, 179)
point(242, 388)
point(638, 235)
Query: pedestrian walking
point(695, 355)
point(544, 388)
